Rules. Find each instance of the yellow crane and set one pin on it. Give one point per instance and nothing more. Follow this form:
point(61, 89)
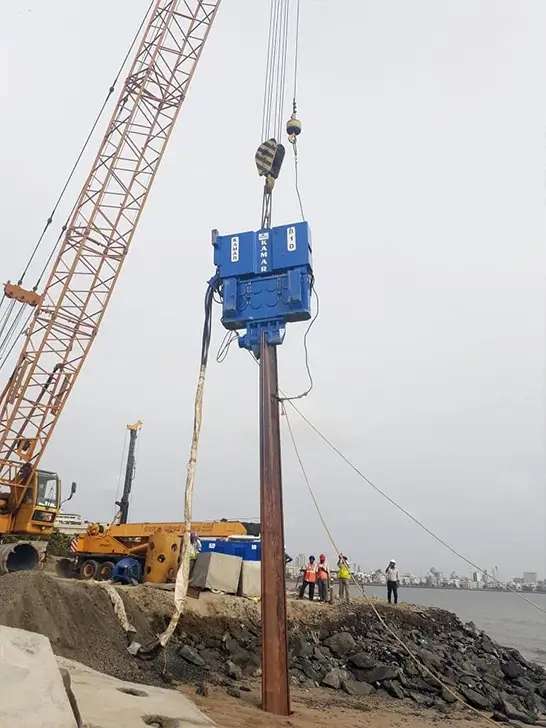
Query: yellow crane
point(66, 315)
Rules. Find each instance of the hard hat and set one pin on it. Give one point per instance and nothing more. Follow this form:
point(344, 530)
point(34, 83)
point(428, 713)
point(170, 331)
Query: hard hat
point(393, 561)
point(322, 557)
point(193, 534)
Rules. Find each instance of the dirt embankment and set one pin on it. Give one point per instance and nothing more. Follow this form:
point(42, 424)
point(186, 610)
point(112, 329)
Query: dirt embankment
point(79, 620)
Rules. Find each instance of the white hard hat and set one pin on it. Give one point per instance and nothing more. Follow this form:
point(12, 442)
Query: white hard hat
point(393, 561)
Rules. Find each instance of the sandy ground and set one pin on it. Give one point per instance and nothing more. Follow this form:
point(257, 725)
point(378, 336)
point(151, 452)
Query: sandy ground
point(309, 711)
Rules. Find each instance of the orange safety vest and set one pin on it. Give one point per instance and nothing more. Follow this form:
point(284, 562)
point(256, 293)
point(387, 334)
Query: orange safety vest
point(310, 573)
point(323, 570)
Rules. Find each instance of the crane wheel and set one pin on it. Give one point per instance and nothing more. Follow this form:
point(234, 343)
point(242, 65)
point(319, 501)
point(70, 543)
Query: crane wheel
point(89, 570)
point(105, 571)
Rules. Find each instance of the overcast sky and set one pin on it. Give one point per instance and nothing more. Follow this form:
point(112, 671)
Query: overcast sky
point(423, 179)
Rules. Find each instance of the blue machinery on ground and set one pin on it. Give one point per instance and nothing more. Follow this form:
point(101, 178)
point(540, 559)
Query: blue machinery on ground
point(265, 280)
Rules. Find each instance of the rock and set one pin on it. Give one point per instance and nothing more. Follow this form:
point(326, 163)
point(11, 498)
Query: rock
point(233, 671)
point(302, 648)
point(411, 669)
point(513, 713)
point(320, 656)
point(357, 689)
point(332, 679)
point(202, 690)
point(341, 644)
point(525, 684)
point(492, 680)
point(443, 707)
point(475, 699)
point(448, 696)
point(309, 671)
point(379, 674)
point(541, 690)
point(430, 659)
point(394, 689)
point(512, 670)
point(499, 717)
point(362, 661)
point(487, 645)
point(33, 693)
point(191, 656)
point(233, 692)
point(468, 680)
point(423, 700)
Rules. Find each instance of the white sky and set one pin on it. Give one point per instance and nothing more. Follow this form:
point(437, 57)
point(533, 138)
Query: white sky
point(422, 174)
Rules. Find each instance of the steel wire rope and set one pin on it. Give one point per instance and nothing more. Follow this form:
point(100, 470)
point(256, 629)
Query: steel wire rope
point(376, 612)
point(111, 90)
point(49, 220)
point(388, 498)
point(4, 342)
point(5, 316)
point(403, 510)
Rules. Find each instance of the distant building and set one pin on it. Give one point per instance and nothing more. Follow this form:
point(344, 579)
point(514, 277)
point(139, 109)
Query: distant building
point(300, 562)
point(70, 523)
point(530, 577)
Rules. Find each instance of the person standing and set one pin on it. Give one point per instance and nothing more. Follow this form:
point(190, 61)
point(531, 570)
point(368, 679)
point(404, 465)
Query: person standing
point(309, 579)
point(393, 581)
point(343, 577)
point(195, 550)
point(323, 576)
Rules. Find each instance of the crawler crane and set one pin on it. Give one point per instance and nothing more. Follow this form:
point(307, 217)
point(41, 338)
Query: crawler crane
point(67, 313)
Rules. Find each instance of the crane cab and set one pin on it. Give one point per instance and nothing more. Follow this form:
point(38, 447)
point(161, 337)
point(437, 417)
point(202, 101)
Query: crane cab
point(38, 508)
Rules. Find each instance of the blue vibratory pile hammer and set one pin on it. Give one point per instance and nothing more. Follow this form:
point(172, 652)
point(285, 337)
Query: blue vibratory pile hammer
point(265, 279)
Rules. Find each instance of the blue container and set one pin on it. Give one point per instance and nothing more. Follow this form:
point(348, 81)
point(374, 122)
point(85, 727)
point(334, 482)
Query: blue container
point(246, 550)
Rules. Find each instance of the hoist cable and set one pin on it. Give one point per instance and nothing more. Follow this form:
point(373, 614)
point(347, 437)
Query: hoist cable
point(50, 219)
point(111, 90)
point(403, 510)
point(296, 55)
point(5, 356)
point(5, 317)
point(275, 75)
point(383, 494)
point(392, 632)
point(296, 178)
point(10, 335)
point(267, 97)
point(283, 48)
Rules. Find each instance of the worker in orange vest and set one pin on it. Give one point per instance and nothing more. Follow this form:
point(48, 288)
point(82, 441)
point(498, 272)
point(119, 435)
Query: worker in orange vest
point(309, 579)
point(323, 578)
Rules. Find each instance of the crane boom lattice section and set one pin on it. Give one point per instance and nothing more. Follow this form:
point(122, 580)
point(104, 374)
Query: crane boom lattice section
point(99, 234)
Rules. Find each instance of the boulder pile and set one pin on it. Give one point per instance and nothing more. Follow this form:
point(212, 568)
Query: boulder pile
point(353, 653)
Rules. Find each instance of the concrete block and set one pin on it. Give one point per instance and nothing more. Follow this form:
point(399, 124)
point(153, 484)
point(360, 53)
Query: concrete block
point(217, 571)
point(250, 583)
point(32, 694)
point(105, 702)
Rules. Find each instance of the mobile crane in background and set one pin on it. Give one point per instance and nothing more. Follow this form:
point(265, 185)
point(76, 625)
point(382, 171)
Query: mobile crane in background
point(66, 315)
point(123, 504)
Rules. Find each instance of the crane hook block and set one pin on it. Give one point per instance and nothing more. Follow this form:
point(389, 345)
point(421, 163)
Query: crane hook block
point(293, 128)
point(269, 158)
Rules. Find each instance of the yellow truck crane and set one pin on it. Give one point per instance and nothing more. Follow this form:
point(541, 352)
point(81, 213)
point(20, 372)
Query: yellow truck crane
point(96, 552)
point(66, 314)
